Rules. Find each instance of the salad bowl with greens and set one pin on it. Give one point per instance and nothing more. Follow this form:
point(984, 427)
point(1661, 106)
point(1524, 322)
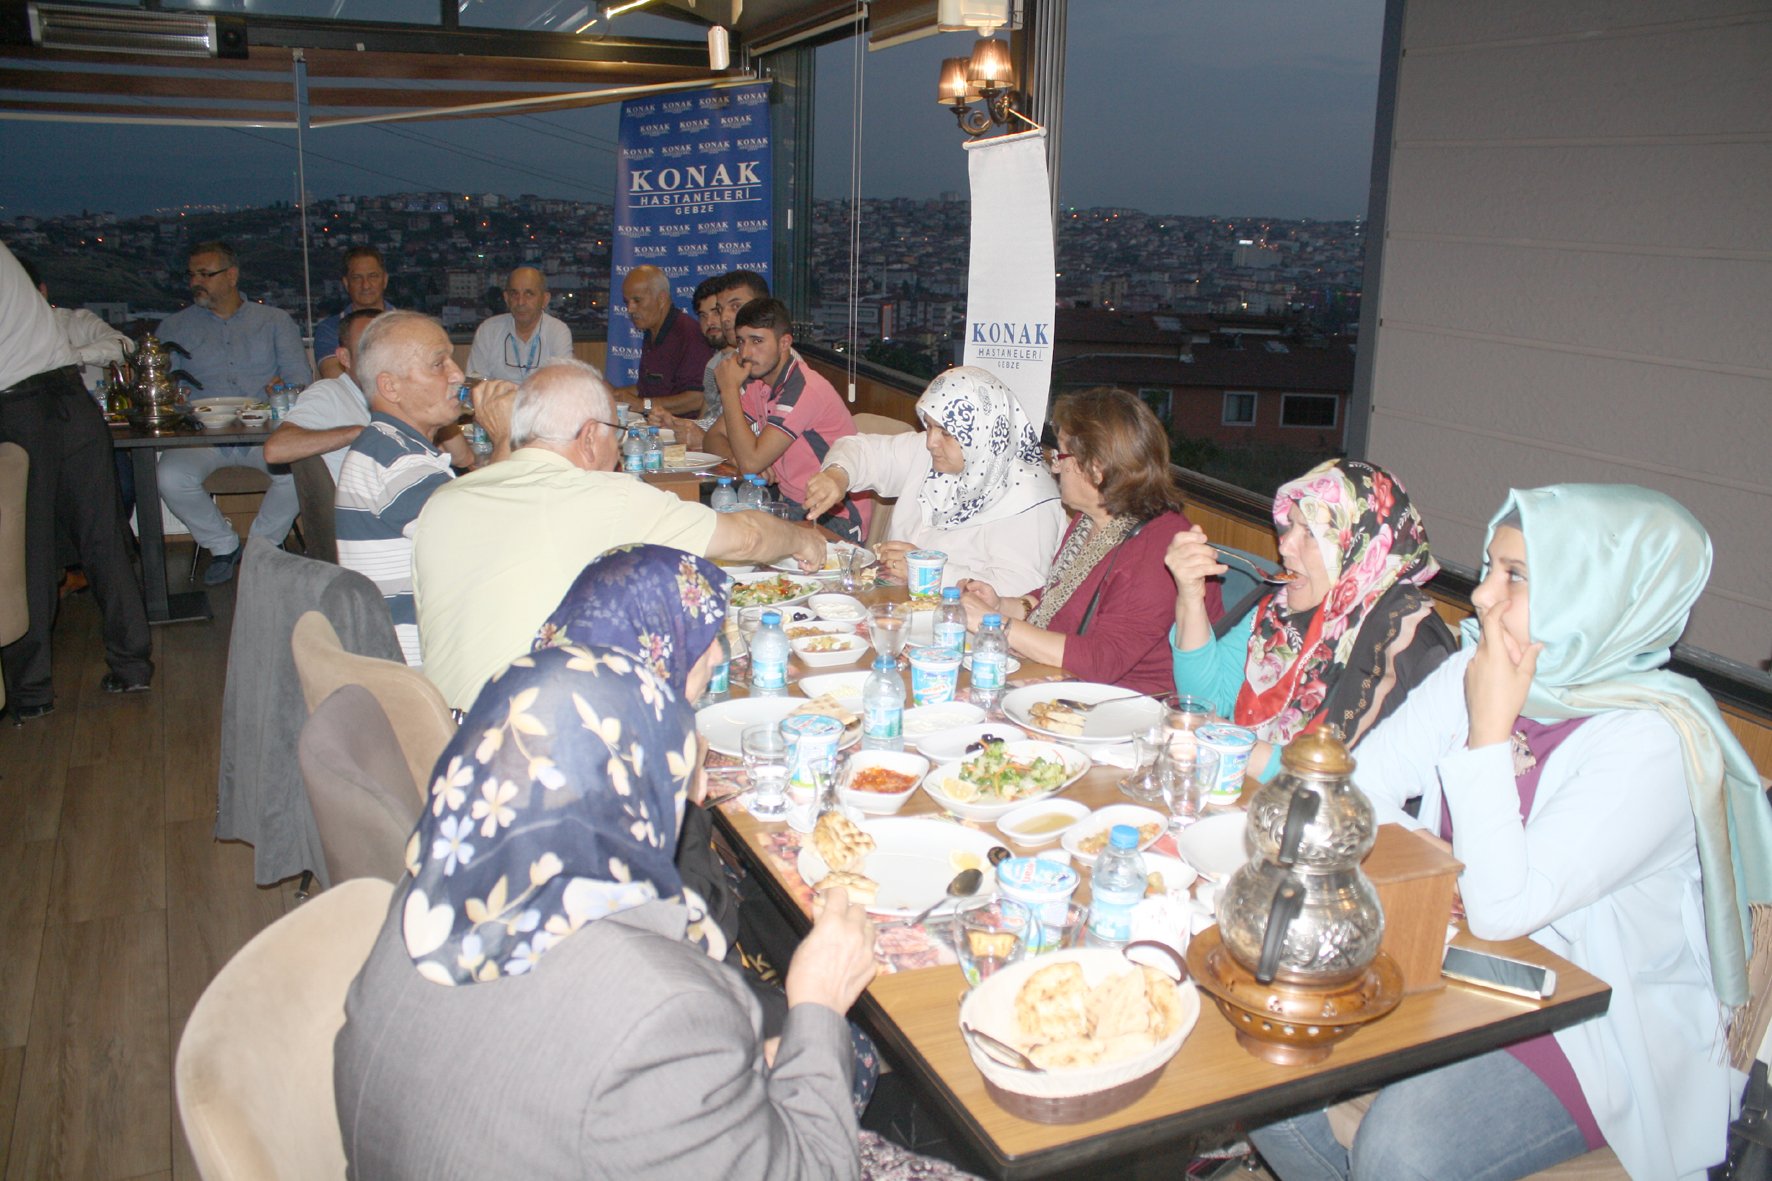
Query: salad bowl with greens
point(1004, 775)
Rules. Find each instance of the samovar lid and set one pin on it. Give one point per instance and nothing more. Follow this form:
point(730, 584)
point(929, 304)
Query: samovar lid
point(1319, 753)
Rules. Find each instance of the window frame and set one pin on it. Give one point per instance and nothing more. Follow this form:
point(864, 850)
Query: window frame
point(1334, 422)
point(1224, 416)
point(1167, 395)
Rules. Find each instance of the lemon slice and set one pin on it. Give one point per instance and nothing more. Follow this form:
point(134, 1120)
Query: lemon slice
point(962, 859)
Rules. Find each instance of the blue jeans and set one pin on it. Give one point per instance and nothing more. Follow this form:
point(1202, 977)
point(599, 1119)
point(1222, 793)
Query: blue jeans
point(1483, 1119)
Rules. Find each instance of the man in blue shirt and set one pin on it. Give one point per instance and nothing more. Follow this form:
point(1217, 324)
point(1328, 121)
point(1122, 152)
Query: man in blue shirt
point(237, 349)
point(366, 282)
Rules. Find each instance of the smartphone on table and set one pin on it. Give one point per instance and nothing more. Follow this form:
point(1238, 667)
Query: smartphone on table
point(1499, 972)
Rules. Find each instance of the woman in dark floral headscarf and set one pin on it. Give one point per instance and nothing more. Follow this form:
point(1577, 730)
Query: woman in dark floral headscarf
point(1344, 640)
point(534, 1004)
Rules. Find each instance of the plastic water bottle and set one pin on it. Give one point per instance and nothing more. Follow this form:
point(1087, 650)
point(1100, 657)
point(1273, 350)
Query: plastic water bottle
point(769, 658)
point(749, 495)
point(990, 662)
point(950, 621)
point(724, 499)
point(720, 679)
point(882, 707)
point(1115, 887)
point(633, 453)
point(654, 451)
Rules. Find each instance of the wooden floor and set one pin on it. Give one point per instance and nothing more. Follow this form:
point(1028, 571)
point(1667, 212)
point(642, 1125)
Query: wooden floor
point(117, 905)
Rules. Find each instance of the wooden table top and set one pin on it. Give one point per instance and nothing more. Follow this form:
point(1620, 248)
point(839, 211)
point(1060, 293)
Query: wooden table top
point(1212, 1081)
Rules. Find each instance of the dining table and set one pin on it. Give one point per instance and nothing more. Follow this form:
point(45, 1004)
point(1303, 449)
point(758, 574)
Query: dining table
point(144, 446)
point(1211, 1087)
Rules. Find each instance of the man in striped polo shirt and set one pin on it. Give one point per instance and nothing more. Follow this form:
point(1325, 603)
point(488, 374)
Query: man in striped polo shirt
point(406, 365)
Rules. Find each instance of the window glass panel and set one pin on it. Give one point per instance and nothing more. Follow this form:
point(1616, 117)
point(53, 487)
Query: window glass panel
point(1239, 408)
point(1159, 400)
point(1316, 410)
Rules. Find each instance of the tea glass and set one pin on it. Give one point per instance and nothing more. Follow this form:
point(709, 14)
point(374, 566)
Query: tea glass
point(765, 753)
point(989, 935)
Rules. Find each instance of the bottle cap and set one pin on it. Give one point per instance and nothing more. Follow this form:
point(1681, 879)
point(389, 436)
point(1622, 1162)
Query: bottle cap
point(885, 662)
point(993, 620)
point(1123, 836)
point(950, 594)
point(725, 481)
point(771, 618)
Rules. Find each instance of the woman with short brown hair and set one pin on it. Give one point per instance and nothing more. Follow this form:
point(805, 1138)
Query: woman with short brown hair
point(1103, 613)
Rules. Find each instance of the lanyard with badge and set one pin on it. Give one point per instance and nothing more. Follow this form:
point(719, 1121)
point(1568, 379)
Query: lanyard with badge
point(511, 358)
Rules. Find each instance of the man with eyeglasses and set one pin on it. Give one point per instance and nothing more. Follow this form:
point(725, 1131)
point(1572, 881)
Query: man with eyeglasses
point(238, 349)
point(512, 346)
point(366, 282)
point(407, 366)
point(673, 352)
point(496, 550)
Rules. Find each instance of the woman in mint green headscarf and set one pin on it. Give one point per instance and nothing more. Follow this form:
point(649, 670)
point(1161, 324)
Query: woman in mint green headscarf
point(1600, 805)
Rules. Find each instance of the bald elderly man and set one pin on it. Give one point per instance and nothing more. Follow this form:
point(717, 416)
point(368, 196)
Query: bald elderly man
point(673, 354)
point(512, 346)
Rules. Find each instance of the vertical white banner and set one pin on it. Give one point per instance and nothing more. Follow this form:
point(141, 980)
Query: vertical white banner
point(1011, 291)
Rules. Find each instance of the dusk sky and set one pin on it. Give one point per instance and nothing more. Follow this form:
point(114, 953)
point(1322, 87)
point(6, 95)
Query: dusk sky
point(1261, 108)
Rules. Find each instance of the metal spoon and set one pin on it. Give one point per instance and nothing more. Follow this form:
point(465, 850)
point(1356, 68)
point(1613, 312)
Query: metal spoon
point(1279, 578)
point(1084, 707)
point(964, 885)
point(1001, 1051)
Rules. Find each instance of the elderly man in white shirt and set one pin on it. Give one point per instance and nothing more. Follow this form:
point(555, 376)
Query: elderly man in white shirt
point(512, 346)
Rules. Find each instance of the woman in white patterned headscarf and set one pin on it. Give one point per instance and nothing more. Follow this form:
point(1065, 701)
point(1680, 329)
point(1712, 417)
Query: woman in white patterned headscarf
point(973, 485)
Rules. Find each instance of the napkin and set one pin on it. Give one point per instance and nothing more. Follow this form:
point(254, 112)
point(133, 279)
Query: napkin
point(1117, 754)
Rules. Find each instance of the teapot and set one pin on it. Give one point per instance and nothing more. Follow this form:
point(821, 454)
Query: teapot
point(1301, 910)
point(155, 390)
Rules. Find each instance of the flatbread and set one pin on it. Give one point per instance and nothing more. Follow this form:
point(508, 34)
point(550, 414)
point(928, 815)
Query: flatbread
point(842, 845)
point(1053, 1005)
point(861, 888)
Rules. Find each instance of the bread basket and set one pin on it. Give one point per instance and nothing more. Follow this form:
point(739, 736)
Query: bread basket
point(1079, 1093)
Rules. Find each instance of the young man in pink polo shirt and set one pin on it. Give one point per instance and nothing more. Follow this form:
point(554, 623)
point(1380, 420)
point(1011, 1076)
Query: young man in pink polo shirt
point(777, 413)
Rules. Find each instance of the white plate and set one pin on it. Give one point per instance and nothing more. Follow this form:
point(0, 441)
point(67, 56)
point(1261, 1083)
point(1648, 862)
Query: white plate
point(692, 460)
point(737, 567)
point(1177, 874)
point(816, 627)
point(836, 557)
point(723, 722)
point(1214, 845)
point(947, 745)
point(838, 685)
point(1104, 819)
point(808, 586)
point(913, 860)
point(838, 608)
point(1012, 821)
point(921, 721)
point(854, 649)
point(751, 618)
point(1114, 722)
point(1076, 765)
point(1010, 669)
point(220, 405)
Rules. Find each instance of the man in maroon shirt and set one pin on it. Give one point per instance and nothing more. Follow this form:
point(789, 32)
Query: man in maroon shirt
point(673, 355)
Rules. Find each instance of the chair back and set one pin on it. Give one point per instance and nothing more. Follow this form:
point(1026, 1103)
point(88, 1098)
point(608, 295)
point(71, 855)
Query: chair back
point(254, 1069)
point(15, 612)
point(359, 787)
point(879, 528)
point(316, 491)
point(880, 424)
point(413, 706)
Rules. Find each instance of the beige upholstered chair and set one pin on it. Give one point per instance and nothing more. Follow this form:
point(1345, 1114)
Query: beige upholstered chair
point(359, 787)
point(15, 608)
point(879, 424)
point(414, 708)
point(254, 1070)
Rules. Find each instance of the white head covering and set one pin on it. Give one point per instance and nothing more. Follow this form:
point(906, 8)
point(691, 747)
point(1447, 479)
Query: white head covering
point(1002, 451)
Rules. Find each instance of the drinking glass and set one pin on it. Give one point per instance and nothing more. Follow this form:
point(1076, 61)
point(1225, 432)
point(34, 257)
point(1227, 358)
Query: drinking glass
point(765, 753)
point(1189, 714)
point(1141, 783)
point(855, 575)
point(990, 935)
point(1057, 930)
point(1187, 774)
point(887, 624)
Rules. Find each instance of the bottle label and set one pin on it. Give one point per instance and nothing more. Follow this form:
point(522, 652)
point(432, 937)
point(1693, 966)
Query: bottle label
point(633, 464)
point(768, 674)
point(988, 670)
point(950, 635)
point(883, 720)
point(720, 681)
point(655, 461)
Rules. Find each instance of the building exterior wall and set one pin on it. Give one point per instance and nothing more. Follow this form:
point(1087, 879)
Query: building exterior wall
point(1577, 273)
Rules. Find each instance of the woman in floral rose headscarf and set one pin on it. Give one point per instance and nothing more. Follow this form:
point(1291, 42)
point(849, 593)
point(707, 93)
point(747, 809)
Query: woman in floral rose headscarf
point(1344, 641)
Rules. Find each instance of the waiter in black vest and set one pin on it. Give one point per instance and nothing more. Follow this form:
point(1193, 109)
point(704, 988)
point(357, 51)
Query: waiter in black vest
point(45, 409)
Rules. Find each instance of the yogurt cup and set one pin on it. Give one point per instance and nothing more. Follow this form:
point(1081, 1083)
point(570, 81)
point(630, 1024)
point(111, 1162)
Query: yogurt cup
point(935, 674)
point(1045, 888)
point(923, 573)
point(812, 739)
point(1233, 744)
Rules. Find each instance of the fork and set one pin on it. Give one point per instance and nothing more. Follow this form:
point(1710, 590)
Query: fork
point(1279, 579)
point(1084, 707)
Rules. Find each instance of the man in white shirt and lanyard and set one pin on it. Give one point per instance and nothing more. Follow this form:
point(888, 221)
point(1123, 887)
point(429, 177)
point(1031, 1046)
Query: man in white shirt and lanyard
point(45, 410)
point(512, 346)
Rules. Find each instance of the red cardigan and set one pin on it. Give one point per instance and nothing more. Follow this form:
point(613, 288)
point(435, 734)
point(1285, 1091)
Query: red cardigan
point(1127, 643)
